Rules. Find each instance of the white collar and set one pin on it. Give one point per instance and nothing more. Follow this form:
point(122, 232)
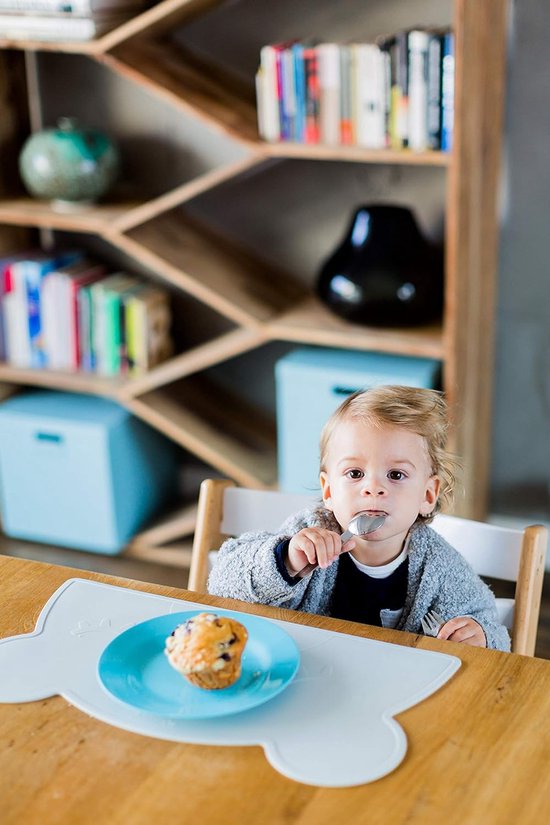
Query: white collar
point(384, 570)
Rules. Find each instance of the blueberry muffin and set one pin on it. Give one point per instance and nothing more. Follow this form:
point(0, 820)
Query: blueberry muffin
point(207, 649)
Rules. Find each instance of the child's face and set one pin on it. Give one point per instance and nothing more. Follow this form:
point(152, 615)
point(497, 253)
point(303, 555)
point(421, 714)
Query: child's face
point(380, 470)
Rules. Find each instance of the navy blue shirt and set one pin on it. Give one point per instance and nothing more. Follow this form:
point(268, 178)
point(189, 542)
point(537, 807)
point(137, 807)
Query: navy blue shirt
point(357, 596)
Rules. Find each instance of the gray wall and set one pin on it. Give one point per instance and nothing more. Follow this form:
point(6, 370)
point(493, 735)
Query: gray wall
point(521, 437)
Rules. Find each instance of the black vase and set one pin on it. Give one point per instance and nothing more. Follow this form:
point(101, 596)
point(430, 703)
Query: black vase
point(384, 273)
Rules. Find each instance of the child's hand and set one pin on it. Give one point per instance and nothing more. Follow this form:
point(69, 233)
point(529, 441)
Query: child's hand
point(463, 629)
point(314, 545)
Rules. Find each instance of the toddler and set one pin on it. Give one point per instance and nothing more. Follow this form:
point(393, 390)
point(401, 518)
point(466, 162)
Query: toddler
point(383, 453)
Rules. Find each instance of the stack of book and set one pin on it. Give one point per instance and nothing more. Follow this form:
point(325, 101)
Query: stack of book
point(65, 312)
point(59, 20)
point(396, 93)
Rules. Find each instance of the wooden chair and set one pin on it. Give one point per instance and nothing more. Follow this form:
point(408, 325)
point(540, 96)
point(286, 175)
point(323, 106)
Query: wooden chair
point(496, 552)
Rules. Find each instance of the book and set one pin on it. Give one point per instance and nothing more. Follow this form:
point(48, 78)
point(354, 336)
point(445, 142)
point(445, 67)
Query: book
point(311, 67)
point(447, 91)
point(267, 97)
point(300, 91)
point(106, 331)
point(347, 136)
point(148, 322)
point(434, 91)
point(22, 306)
point(329, 93)
point(370, 95)
point(59, 28)
point(396, 47)
point(70, 279)
point(418, 42)
point(77, 8)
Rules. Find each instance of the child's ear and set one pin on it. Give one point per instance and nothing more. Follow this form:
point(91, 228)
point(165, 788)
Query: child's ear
point(431, 495)
point(325, 490)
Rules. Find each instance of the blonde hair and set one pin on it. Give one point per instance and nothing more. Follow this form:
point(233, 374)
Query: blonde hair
point(420, 411)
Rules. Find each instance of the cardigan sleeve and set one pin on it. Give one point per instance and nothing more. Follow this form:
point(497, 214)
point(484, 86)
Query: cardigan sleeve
point(246, 567)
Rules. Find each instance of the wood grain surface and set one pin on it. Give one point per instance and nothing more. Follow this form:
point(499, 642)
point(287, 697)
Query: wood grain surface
point(478, 749)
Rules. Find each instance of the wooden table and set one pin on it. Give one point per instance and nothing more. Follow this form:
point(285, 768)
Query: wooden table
point(478, 749)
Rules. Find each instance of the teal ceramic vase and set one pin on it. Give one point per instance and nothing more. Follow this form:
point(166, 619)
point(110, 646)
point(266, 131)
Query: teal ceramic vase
point(68, 165)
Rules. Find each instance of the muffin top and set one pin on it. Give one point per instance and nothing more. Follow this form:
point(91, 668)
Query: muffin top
point(205, 642)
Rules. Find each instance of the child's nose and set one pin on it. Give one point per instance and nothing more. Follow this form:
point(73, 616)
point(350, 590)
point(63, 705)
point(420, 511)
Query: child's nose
point(372, 486)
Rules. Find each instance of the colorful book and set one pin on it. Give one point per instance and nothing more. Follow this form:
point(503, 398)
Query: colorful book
point(347, 137)
point(447, 91)
point(23, 307)
point(370, 95)
point(106, 296)
point(329, 93)
point(418, 42)
point(267, 96)
point(148, 323)
point(70, 280)
point(78, 8)
point(434, 91)
point(311, 134)
point(300, 91)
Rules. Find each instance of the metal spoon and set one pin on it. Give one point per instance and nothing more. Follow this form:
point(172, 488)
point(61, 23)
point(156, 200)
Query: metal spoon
point(361, 525)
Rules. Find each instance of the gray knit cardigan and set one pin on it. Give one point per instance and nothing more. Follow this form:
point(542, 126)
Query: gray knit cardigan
point(439, 578)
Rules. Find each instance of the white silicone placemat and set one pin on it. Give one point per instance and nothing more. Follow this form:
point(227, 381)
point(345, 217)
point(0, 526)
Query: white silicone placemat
point(333, 725)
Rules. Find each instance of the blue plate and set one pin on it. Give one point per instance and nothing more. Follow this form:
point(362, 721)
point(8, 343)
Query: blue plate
point(134, 668)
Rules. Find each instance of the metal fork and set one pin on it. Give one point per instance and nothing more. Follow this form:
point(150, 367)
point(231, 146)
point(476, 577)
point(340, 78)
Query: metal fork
point(432, 623)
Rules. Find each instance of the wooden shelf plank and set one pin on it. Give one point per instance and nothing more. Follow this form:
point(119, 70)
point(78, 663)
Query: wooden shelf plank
point(176, 555)
point(311, 322)
point(214, 271)
point(165, 70)
point(93, 219)
point(354, 154)
point(251, 466)
point(159, 17)
point(171, 526)
point(70, 381)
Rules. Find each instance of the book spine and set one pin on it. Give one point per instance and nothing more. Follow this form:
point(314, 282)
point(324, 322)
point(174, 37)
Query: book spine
point(300, 91)
point(270, 126)
point(418, 42)
point(399, 91)
point(370, 96)
point(289, 92)
point(85, 308)
point(111, 341)
point(76, 8)
point(434, 92)
point(447, 92)
point(329, 93)
point(346, 115)
point(312, 95)
point(34, 272)
point(18, 350)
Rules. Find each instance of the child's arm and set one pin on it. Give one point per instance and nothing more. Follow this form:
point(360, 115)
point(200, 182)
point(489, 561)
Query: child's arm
point(246, 567)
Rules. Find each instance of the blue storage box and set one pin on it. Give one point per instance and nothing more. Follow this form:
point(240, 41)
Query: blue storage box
point(311, 383)
point(80, 471)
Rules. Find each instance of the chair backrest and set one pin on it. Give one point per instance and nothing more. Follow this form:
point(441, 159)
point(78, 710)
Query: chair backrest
point(493, 551)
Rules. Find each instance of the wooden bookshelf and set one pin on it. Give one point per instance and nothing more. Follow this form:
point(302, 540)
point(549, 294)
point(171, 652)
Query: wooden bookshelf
point(263, 304)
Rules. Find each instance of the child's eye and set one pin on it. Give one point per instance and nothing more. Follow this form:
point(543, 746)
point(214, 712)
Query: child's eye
point(354, 474)
point(396, 475)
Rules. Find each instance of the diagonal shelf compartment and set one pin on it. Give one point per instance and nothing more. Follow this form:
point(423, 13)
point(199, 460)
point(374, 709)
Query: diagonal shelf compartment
point(310, 322)
point(232, 437)
point(174, 76)
point(210, 268)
